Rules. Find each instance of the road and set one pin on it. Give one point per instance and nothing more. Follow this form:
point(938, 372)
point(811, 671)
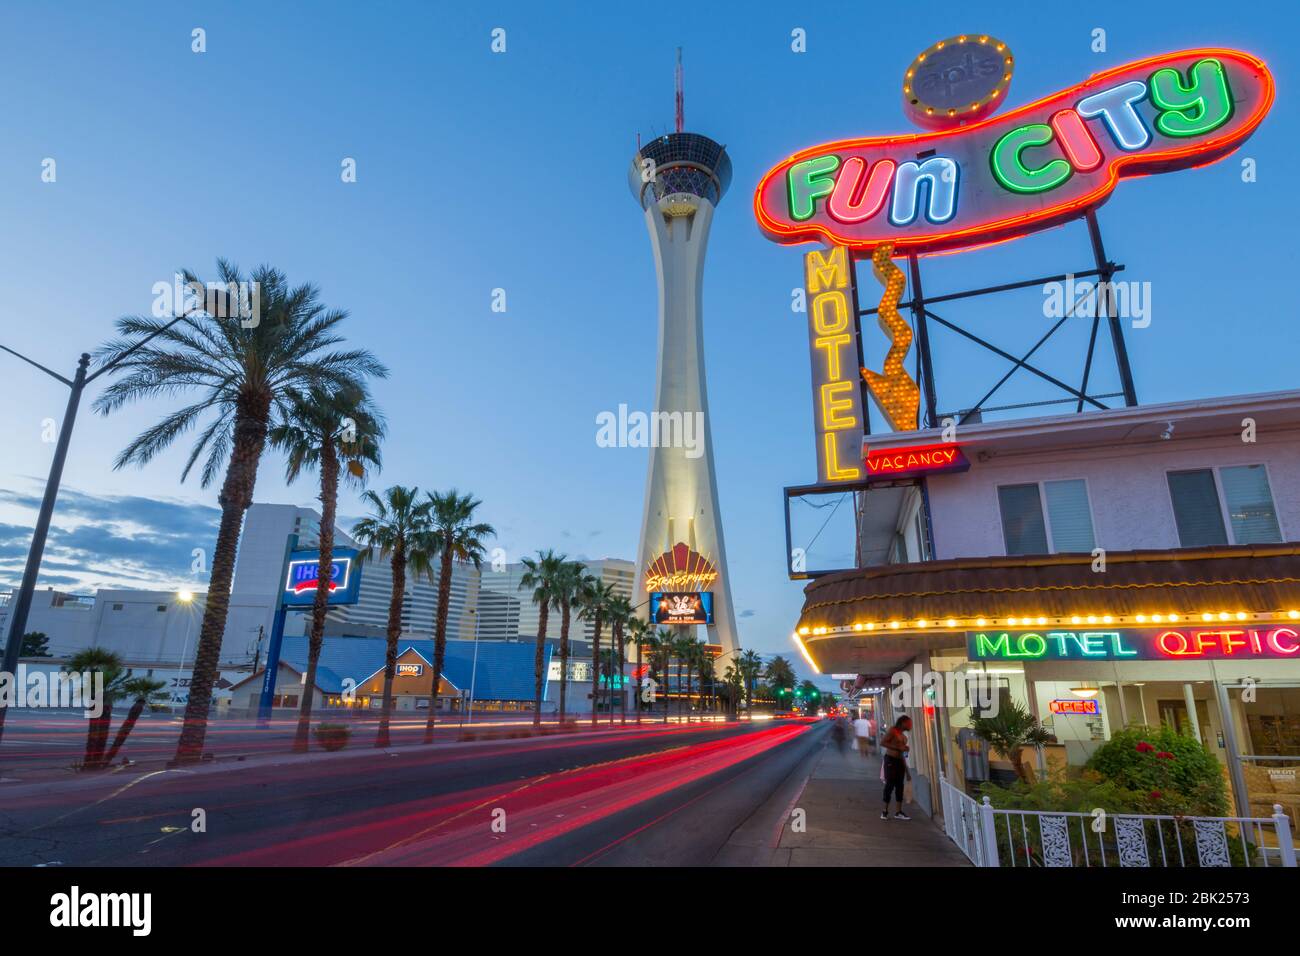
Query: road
point(56, 740)
point(657, 795)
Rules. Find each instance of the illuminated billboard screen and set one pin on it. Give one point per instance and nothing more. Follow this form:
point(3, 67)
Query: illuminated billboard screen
point(681, 607)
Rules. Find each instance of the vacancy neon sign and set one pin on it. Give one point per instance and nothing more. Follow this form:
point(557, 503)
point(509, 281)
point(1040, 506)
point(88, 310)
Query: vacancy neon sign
point(916, 460)
point(1030, 169)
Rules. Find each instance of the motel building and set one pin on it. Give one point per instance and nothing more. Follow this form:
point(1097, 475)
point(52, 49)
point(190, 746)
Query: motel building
point(1138, 565)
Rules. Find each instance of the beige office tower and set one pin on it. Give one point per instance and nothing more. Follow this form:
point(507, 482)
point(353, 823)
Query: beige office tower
point(678, 180)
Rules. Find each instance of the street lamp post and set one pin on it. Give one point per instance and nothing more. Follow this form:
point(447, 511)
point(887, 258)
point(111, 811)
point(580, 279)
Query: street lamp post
point(76, 385)
point(473, 673)
point(186, 598)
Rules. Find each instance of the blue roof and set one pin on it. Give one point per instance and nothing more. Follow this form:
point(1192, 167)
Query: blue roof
point(505, 668)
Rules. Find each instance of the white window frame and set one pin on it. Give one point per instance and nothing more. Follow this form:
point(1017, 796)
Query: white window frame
point(1223, 499)
point(1047, 517)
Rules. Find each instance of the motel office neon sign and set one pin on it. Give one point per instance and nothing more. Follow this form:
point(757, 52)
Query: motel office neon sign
point(1029, 169)
point(1137, 644)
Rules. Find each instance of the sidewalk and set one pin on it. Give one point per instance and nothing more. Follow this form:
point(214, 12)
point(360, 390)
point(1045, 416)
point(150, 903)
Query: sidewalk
point(841, 802)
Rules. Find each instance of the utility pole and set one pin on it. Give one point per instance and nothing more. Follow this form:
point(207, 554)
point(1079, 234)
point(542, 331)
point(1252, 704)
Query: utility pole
point(22, 603)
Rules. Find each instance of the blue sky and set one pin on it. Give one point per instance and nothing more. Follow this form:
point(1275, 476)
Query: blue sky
point(479, 171)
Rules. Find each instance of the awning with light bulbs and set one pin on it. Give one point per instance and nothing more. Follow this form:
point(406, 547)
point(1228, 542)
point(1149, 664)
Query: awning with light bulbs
point(882, 616)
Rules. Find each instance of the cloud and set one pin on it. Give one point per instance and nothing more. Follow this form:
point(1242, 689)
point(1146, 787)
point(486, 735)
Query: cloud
point(746, 613)
point(99, 541)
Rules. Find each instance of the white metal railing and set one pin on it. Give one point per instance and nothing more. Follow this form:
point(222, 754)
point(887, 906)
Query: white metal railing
point(990, 836)
point(964, 822)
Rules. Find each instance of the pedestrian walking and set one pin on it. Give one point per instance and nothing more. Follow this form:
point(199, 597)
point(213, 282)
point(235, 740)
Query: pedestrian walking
point(839, 734)
point(862, 730)
point(894, 769)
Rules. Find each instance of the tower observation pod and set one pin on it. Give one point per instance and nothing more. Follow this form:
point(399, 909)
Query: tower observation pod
point(678, 179)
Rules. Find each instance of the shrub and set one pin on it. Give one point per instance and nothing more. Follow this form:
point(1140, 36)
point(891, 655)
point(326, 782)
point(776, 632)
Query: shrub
point(1075, 791)
point(1084, 791)
point(1176, 773)
point(333, 736)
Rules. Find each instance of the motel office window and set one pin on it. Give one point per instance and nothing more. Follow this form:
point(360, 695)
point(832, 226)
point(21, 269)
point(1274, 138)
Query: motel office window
point(1046, 511)
point(1231, 505)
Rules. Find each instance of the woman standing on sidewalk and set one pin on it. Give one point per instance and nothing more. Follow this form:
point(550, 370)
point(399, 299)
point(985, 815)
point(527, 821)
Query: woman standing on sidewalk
point(894, 768)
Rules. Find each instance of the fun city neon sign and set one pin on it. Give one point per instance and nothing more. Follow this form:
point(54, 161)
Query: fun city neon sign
point(1150, 644)
point(1030, 169)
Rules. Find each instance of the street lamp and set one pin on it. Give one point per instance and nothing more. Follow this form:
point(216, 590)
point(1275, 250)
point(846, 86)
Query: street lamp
point(473, 673)
point(76, 385)
point(186, 598)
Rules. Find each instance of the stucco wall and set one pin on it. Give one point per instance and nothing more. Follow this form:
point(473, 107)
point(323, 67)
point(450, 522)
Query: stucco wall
point(1127, 489)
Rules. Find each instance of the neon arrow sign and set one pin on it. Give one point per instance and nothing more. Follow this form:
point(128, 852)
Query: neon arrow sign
point(1026, 170)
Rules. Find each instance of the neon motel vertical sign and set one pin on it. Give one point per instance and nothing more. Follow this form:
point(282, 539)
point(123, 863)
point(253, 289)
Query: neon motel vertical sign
point(833, 343)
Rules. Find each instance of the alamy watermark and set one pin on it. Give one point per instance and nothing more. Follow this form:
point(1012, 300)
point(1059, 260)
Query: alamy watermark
point(916, 688)
point(53, 689)
point(657, 429)
point(1084, 299)
point(221, 300)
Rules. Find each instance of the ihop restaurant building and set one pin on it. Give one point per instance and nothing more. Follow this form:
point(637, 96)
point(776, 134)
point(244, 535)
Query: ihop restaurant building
point(1138, 565)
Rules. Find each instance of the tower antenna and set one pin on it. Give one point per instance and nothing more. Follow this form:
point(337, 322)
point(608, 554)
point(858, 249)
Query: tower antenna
point(681, 97)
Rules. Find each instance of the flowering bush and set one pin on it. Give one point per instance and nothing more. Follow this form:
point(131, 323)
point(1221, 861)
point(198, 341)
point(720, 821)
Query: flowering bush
point(1175, 773)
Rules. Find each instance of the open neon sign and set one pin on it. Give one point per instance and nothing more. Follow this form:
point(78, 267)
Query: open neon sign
point(1026, 170)
point(1085, 707)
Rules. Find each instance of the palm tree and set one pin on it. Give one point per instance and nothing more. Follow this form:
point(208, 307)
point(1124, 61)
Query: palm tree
point(594, 597)
point(241, 371)
point(322, 429)
point(780, 675)
point(735, 684)
point(570, 588)
point(394, 531)
point(708, 674)
point(1012, 728)
point(750, 666)
point(664, 641)
point(810, 693)
point(92, 661)
point(141, 691)
point(684, 649)
point(651, 640)
point(620, 616)
point(455, 537)
point(637, 628)
point(545, 577)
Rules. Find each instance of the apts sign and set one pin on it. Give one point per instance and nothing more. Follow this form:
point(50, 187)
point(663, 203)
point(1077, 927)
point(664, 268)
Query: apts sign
point(1136, 644)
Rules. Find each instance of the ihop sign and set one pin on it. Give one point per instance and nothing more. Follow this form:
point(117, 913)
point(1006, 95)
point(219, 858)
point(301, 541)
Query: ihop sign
point(304, 573)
